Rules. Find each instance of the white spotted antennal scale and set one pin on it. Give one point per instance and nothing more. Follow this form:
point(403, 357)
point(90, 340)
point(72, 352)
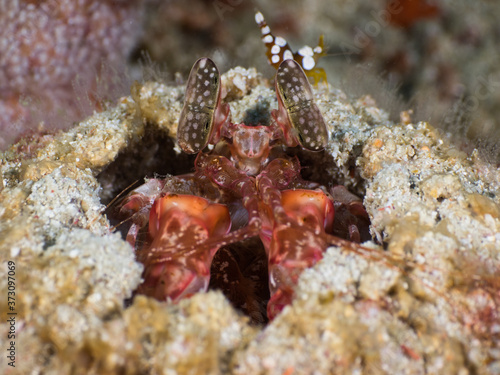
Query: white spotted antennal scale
point(202, 115)
point(298, 114)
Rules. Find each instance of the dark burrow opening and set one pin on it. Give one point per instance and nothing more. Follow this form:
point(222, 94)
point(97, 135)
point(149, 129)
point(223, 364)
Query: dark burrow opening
point(152, 155)
point(239, 270)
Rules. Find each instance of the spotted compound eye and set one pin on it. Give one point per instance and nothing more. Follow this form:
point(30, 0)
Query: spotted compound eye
point(196, 121)
point(303, 114)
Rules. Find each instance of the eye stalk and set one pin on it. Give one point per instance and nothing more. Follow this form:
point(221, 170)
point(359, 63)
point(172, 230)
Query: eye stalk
point(204, 117)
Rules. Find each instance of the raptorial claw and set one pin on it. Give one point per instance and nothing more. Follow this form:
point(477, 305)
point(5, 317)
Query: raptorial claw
point(297, 242)
point(172, 270)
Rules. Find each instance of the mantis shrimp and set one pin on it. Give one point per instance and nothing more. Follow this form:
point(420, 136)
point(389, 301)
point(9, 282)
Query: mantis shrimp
point(244, 187)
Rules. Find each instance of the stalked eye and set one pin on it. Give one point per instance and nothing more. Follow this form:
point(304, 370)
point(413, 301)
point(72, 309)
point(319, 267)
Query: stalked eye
point(303, 114)
point(196, 121)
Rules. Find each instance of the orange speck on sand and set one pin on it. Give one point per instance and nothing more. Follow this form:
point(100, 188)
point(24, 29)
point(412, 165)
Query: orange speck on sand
point(378, 143)
point(409, 352)
point(405, 117)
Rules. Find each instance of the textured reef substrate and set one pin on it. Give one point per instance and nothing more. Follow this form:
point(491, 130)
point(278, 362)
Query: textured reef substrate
point(425, 302)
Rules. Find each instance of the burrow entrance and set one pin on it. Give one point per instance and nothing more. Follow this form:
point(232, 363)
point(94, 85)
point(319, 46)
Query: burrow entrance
point(239, 270)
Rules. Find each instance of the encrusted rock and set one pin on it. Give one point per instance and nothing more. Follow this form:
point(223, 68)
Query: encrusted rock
point(426, 304)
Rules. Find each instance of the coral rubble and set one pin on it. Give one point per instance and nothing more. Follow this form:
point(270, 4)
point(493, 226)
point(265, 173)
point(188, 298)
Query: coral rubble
point(428, 303)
